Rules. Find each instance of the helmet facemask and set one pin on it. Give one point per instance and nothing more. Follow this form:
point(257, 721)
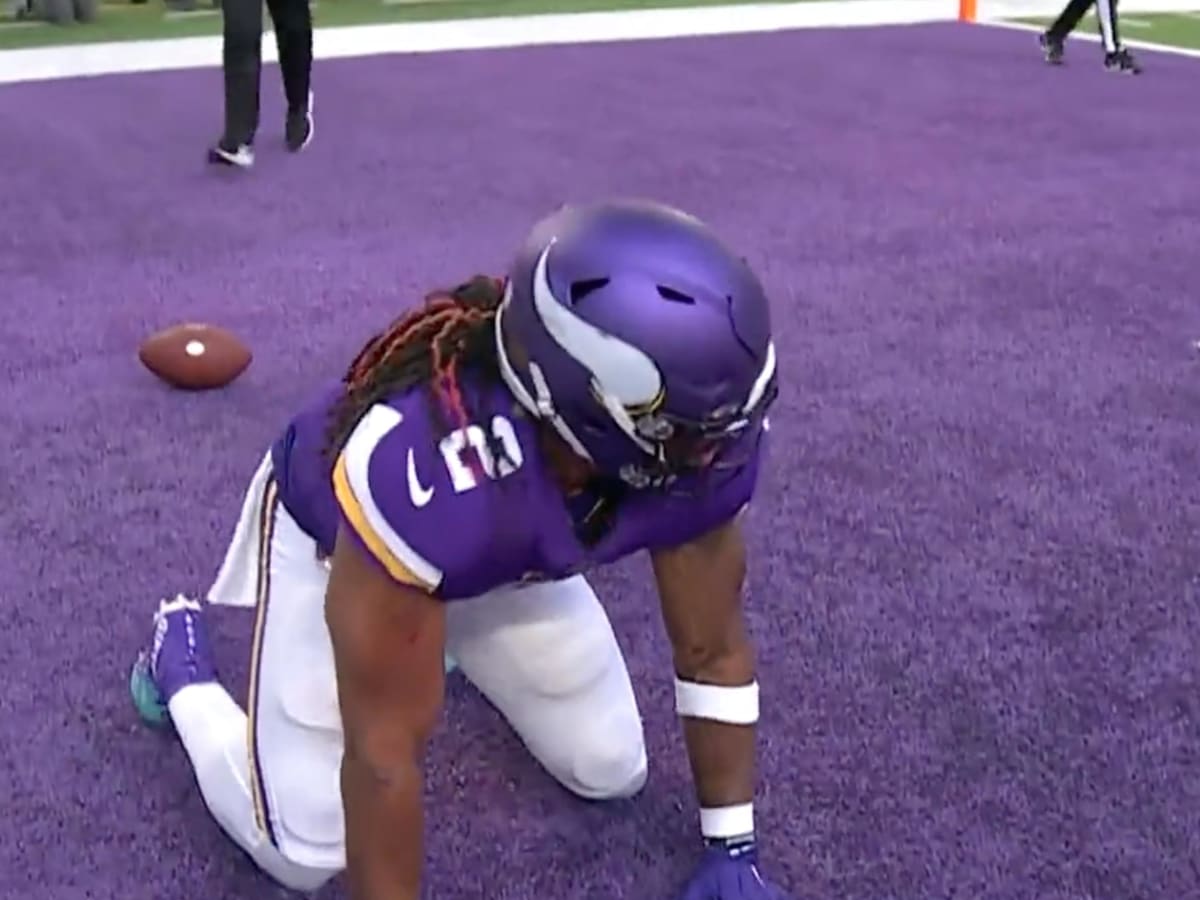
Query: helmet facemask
point(725, 439)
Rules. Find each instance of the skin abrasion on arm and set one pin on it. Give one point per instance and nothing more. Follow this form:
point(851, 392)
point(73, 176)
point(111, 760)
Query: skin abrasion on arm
point(700, 585)
point(388, 642)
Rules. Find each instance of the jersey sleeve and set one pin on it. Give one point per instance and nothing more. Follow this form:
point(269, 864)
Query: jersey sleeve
point(375, 498)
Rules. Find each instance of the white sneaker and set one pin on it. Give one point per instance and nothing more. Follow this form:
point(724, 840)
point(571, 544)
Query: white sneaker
point(242, 157)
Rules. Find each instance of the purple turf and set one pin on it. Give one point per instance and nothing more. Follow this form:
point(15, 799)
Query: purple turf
point(975, 560)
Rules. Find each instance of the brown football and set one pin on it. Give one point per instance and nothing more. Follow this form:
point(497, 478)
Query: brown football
point(195, 357)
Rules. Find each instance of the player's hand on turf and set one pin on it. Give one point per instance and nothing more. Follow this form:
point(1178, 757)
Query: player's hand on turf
point(725, 874)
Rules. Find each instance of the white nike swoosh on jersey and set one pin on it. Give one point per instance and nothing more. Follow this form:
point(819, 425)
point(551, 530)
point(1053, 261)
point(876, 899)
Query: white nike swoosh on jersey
point(417, 492)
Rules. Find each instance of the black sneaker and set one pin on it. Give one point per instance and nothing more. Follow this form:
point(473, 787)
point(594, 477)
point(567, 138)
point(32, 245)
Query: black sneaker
point(1122, 61)
point(299, 128)
point(241, 157)
point(1052, 48)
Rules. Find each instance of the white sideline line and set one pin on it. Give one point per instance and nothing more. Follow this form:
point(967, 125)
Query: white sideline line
point(175, 15)
point(470, 34)
point(1131, 22)
point(1095, 39)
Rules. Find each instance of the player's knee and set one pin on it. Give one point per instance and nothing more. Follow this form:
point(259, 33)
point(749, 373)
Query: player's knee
point(213, 767)
point(293, 876)
point(607, 758)
point(609, 769)
point(289, 854)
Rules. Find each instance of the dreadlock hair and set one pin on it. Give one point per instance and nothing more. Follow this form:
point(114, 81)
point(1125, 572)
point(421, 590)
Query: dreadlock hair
point(431, 345)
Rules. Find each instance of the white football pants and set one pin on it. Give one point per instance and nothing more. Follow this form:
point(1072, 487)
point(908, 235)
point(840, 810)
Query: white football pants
point(543, 654)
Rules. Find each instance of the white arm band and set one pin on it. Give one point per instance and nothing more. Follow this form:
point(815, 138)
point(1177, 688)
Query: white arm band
point(733, 705)
point(727, 821)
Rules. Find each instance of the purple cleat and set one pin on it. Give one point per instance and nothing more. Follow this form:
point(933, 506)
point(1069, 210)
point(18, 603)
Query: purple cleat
point(179, 655)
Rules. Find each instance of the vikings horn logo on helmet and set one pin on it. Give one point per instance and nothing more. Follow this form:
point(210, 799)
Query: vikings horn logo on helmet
point(623, 377)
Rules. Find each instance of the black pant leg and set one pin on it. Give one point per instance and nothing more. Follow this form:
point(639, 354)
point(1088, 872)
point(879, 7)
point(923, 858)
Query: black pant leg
point(294, 38)
point(1106, 18)
point(242, 61)
point(1068, 18)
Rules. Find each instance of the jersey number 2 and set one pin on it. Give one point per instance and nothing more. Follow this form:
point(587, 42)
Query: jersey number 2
point(453, 445)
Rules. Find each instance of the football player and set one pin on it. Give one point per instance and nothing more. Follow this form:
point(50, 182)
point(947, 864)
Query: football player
point(609, 396)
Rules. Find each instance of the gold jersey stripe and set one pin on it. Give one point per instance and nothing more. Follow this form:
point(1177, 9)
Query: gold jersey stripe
point(266, 531)
point(353, 511)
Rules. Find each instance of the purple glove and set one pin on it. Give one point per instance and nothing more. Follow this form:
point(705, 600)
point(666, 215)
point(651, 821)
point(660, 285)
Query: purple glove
point(730, 872)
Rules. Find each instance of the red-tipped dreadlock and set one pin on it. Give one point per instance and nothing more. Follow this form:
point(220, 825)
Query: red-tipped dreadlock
point(430, 345)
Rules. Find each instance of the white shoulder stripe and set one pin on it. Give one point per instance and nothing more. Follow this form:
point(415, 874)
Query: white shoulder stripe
point(358, 451)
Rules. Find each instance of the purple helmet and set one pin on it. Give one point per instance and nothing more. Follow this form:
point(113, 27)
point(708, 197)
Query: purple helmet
point(639, 337)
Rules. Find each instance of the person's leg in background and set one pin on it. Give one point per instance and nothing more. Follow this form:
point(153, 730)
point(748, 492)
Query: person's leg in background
point(1116, 57)
point(241, 67)
point(294, 38)
point(1052, 39)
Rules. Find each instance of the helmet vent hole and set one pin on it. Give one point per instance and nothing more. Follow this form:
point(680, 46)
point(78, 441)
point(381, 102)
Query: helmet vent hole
point(581, 289)
point(675, 296)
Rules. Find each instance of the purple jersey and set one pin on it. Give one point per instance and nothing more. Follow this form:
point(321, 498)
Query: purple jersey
point(460, 511)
